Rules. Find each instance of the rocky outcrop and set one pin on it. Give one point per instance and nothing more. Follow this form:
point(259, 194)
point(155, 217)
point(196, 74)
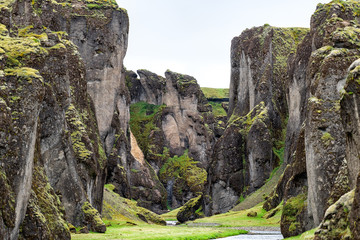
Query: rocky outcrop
point(318, 71)
point(244, 157)
point(53, 159)
point(350, 117)
point(335, 224)
point(149, 88)
point(173, 124)
point(120, 209)
point(331, 27)
point(191, 210)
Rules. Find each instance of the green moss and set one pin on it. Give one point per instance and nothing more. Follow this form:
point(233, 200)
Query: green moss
point(93, 217)
point(348, 34)
point(45, 206)
point(327, 138)
point(258, 114)
point(78, 132)
point(122, 210)
point(217, 109)
point(142, 122)
point(18, 49)
point(98, 4)
point(191, 210)
point(6, 4)
point(184, 168)
point(109, 187)
point(292, 209)
point(24, 73)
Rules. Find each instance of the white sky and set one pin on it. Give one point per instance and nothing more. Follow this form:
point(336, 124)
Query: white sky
point(193, 37)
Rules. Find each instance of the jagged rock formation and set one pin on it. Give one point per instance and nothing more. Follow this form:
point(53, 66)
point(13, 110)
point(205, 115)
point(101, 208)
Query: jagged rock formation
point(171, 116)
point(320, 135)
point(54, 126)
point(244, 157)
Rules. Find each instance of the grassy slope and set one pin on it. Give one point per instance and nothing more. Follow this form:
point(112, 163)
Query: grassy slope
point(258, 196)
point(309, 235)
point(122, 210)
point(171, 216)
point(240, 218)
point(215, 92)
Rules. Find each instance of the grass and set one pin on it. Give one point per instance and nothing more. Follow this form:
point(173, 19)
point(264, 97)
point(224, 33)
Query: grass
point(240, 218)
point(171, 216)
point(258, 196)
point(217, 109)
point(305, 236)
point(215, 92)
point(154, 232)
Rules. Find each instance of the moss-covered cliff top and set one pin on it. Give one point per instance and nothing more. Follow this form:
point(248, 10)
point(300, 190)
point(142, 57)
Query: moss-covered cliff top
point(215, 92)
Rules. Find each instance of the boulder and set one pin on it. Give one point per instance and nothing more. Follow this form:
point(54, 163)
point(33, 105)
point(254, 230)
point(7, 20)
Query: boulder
point(191, 210)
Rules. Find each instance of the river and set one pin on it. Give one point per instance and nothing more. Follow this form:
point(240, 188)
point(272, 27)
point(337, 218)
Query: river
point(254, 232)
point(257, 235)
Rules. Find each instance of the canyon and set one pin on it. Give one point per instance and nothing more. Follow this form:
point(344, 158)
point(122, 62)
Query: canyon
point(73, 119)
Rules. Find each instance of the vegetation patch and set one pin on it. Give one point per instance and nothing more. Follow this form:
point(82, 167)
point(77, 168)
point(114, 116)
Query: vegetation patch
point(309, 235)
point(241, 218)
point(215, 92)
point(142, 122)
point(217, 109)
point(184, 168)
point(292, 209)
point(154, 232)
point(120, 210)
point(93, 218)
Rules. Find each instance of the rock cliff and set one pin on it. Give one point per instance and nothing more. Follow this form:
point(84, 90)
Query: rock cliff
point(319, 144)
point(173, 124)
point(56, 74)
point(253, 141)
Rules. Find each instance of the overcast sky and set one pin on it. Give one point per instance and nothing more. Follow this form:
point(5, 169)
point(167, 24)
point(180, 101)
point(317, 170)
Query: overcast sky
point(193, 37)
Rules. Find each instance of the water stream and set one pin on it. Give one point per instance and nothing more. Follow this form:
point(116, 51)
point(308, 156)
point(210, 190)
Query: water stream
point(169, 189)
point(252, 235)
point(257, 235)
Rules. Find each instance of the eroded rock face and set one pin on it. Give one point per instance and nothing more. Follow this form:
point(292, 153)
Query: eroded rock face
point(60, 161)
point(335, 224)
point(324, 136)
point(176, 120)
point(257, 113)
point(321, 144)
point(190, 111)
point(350, 117)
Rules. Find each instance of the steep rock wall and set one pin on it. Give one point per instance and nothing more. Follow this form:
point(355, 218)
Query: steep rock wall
point(350, 117)
point(257, 112)
point(64, 141)
point(176, 120)
point(320, 66)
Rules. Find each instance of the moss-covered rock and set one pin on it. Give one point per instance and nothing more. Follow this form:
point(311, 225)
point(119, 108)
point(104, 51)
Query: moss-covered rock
point(292, 215)
point(122, 210)
point(336, 221)
point(191, 210)
point(44, 217)
point(42, 76)
point(92, 218)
